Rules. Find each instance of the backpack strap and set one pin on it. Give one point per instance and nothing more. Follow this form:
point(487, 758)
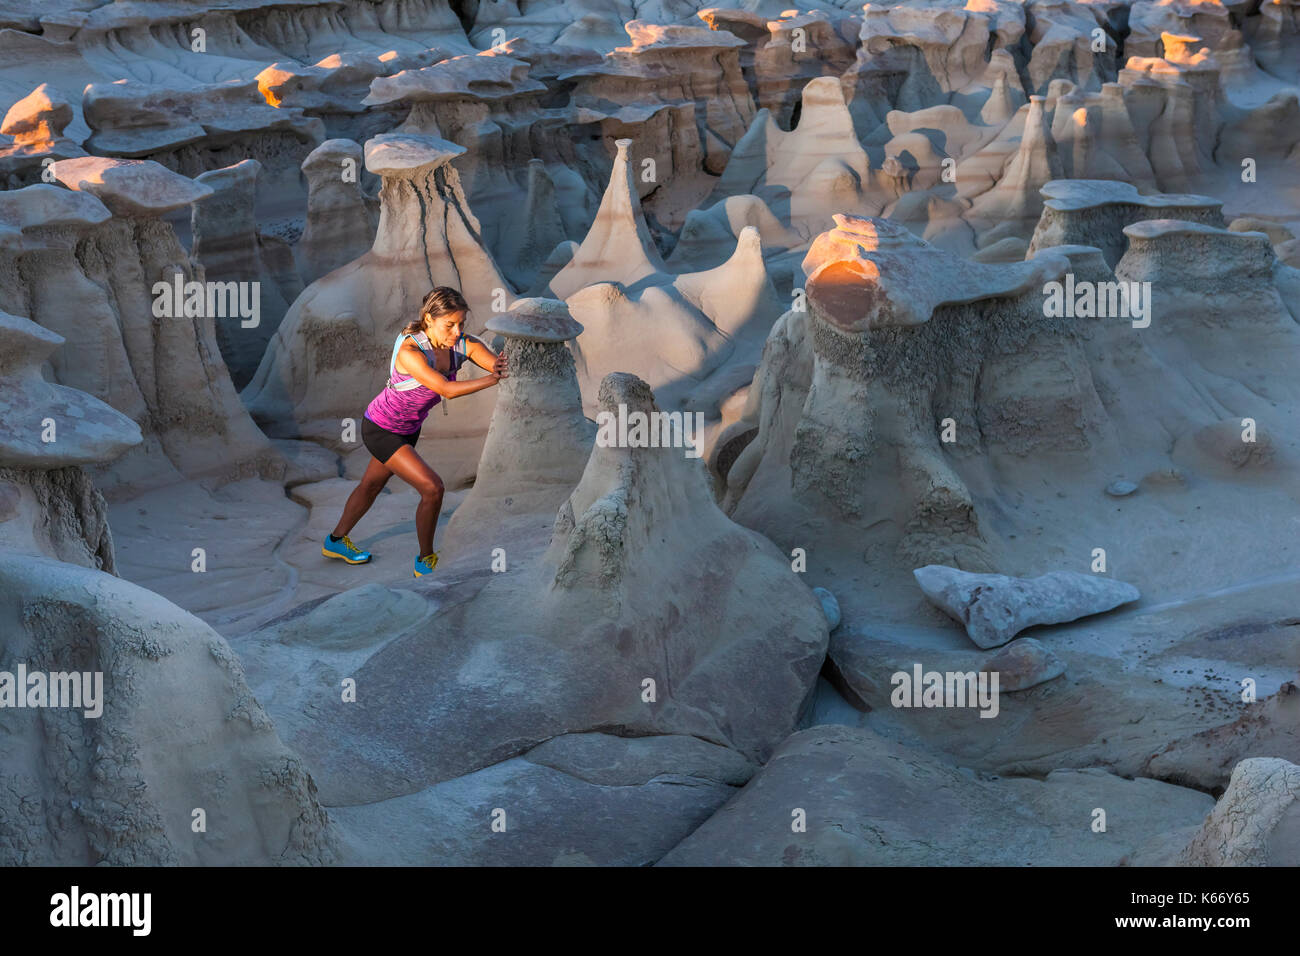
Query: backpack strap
point(461, 349)
point(421, 342)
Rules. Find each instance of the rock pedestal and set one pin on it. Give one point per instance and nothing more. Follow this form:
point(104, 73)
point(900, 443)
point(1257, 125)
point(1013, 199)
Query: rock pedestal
point(538, 440)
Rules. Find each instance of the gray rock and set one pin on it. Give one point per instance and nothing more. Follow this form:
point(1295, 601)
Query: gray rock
point(86, 430)
point(830, 607)
point(402, 155)
point(178, 719)
point(1121, 488)
point(605, 573)
point(869, 801)
point(1257, 820)
point(620, 811)
point(130, 187)
point(536, 320)
point(1024, 664)
point(994, 608)
point(339, 226)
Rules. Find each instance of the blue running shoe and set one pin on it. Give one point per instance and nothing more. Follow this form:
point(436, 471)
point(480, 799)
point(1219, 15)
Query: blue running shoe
point(345, 549)
point(426, 564)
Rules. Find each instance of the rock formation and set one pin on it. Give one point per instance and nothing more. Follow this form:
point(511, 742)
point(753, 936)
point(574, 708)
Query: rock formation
point(803, 308)
point(994, 608)
point(538, 438)
point(1255, 823)
point(338, 225)
point(329, 355)
point(1094, 213)
point(113, 773)
point(870, 802)
point(569, 608)
point(108, 273)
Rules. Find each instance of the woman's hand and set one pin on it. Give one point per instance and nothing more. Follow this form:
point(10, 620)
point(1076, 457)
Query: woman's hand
point(499, 367)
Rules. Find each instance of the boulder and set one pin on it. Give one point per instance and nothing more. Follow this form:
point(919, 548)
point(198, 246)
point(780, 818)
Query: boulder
point(994, 608)
point(865, 801)
point(1256, 822)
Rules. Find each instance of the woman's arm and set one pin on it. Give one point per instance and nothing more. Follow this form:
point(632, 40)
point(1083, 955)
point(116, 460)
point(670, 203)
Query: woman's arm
point(410, 361)
point(484, 357)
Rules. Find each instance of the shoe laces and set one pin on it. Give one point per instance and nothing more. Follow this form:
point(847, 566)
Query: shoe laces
point(426, 562)
point(347, 543)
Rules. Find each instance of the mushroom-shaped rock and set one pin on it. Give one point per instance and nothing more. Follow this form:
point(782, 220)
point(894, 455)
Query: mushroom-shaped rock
point(130, 187)
point(48, 504)
point(341, 327)
point(85, 431)
point(1094, 212)
point(225, 228)
point(538, 440)
point(645, 35)
point(838, 390)
point(38, 118)
point(536, 320)
point(404, 155)
point(1218, 293)
point(869, 273)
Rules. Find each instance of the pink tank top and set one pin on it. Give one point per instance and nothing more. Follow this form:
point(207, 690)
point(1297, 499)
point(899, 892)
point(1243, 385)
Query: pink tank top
point(404, 411)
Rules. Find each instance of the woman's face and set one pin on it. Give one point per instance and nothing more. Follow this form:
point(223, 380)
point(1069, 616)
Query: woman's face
point(445, 330)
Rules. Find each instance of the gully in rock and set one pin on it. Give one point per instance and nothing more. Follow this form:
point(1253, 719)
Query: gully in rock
point(427, 355)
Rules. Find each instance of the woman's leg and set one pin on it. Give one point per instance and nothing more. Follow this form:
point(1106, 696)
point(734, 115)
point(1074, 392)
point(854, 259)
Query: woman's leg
point(410, 467)
point(363, 496)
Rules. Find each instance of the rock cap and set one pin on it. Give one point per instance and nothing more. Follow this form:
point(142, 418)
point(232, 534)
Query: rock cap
point(536, 320)
point(130, 187)
point(404, 154)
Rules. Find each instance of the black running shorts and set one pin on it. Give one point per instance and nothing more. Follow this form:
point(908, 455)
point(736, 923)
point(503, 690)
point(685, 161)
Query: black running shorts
point(382, 443)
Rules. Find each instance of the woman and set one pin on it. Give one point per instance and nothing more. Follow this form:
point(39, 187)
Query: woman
point(422, 372)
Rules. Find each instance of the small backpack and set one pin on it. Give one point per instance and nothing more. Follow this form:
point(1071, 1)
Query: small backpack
point(422, 343)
